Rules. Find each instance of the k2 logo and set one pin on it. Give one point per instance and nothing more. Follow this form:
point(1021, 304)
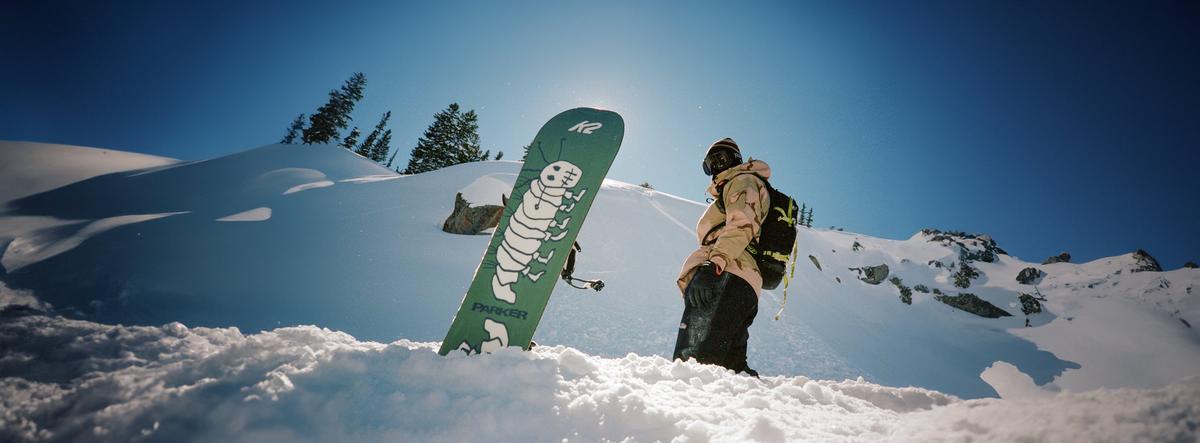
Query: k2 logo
point(586, 127)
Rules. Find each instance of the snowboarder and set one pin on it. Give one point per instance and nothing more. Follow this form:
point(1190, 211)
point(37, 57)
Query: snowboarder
point(720, 281)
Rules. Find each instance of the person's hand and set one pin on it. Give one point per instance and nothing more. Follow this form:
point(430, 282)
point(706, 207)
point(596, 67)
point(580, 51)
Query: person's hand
point(706, 286)
point(719, 263)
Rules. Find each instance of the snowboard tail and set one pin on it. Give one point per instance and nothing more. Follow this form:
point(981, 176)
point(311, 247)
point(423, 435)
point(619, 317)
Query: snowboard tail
point(562, 172)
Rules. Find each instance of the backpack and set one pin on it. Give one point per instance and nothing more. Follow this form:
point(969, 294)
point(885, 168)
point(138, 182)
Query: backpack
point(776, 240)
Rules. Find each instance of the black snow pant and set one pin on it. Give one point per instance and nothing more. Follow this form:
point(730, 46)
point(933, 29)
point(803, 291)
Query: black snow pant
point(718, 335)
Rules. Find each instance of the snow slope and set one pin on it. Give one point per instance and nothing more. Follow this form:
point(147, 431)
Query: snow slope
point(30, 168)
point(314, 235)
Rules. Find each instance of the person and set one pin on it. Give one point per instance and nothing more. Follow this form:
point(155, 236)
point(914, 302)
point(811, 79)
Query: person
point(720, 280)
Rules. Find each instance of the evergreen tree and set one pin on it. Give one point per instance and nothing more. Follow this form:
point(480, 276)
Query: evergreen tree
point(334, 115)
point(381, 148)
point(499, 155)
point(803, 207)
point(367, 148)
point(391, 159)
point(293, 130)
point(351, 139)
point(452, 138)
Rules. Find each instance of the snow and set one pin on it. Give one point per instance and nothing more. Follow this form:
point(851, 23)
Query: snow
point(90, 382)
point(488, 189)
point(45, 243)
point(31, 168)
point(348, 257)
point(253, 215)
point(307, 186)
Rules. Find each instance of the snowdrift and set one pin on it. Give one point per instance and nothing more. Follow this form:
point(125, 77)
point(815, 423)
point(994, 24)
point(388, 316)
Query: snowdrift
point(30, 168)
point(90, 382)
point(314, 235)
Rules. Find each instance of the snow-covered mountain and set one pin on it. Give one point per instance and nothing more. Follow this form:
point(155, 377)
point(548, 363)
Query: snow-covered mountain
point(281, 236)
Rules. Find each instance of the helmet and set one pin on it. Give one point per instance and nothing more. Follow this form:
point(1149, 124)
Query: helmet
point(722, 154)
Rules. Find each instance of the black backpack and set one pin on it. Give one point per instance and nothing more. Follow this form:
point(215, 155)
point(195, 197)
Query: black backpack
point(776, 240)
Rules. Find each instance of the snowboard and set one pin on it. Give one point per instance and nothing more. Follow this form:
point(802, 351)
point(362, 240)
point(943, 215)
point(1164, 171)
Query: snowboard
point(562, 172)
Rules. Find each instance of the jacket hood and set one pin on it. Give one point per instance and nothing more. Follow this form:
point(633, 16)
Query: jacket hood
point(753, 166)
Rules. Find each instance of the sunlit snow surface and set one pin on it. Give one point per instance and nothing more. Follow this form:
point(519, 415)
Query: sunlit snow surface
point(326, 238)
point(89, 382)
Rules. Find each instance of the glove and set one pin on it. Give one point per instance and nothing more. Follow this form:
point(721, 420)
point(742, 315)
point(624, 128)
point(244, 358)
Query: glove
point(706, 286)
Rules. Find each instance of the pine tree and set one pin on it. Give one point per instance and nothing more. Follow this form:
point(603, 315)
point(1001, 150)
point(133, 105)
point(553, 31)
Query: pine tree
point(467, 138)
point(367, 148)
point(334, 115)
point(391, 159)
point(381, 148)
point(803, 207)
point(452, 138)
point(293, 130)
point(499, 155)
point(351, 139)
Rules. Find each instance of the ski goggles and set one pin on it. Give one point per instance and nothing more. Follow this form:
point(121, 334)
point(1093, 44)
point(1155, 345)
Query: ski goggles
point(720, 160)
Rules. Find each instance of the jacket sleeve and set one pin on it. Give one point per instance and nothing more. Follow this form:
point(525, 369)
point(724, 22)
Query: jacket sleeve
point(744, 212)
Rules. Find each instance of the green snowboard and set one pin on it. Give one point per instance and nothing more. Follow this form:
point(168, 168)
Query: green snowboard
point(563, 170)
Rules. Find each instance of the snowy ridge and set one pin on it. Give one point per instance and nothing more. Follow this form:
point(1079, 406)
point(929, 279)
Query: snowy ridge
point(29, 168)
point(92, 382)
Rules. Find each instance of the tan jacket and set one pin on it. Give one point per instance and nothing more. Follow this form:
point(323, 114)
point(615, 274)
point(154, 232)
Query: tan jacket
point(746, 205)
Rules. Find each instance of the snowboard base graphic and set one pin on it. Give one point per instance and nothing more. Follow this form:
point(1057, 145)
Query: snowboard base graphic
point(562, 173)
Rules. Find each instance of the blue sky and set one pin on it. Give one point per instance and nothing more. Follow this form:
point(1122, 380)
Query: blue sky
point(1049, 126)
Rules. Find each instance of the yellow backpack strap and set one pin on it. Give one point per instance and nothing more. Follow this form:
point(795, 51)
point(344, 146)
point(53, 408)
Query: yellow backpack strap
point(787, 278)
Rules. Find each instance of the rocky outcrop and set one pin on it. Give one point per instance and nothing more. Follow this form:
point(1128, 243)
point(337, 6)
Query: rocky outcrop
point(905, 291)
point(971, 303)
point(971, 247)
point(965, 273)
point(1030, 304)
point(1145, 262)
point(1064, 257)
point(1030, 276)
point(815, 262)
point(872, 275)
point(471, 220)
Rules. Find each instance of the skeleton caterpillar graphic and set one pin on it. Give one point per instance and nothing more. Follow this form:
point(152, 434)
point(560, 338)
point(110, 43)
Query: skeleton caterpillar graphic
point(532, 224)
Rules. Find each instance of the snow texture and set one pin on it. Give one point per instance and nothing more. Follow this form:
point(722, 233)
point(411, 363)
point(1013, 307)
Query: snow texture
point(30, 168)
point(83, 381)
point(253, 215)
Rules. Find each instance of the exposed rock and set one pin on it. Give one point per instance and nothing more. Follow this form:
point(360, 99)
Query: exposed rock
point(1185, 323)
point(872, 275)
point(905, 292)
point(815, 262)
point(936, 264)
point(1064, 257)
point(471, 220)
point(1030, 304)
point(1030, 276)
point(971, 247)
point(1191, 265)
point(856, 246)
point(937, 291)
point(921, 288)
point(1145, 262)
point(963, 277)
point(969, 302)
